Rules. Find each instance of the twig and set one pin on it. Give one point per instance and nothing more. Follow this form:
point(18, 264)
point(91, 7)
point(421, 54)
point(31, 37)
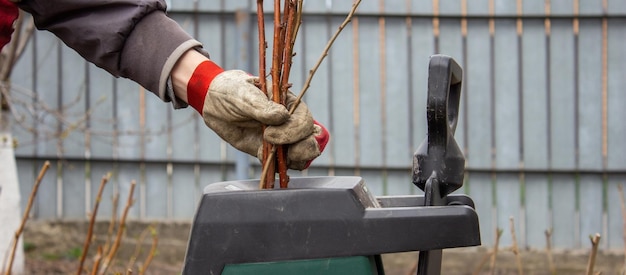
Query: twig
point(515, 248)
point(489, 254)
point(495, 251)
point(19, 231)
point(137, 252)
point(548, 234)
point(307, 83)
point(482, 262)
point(120, 230)
point(152, 253)
point(622, 200)
point(115, 199)
point(96, 261)
point(595, 240)
point(92, 220)
point(129, 271)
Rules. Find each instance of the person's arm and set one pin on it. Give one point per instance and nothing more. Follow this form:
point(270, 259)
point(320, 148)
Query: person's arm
point(128, 38)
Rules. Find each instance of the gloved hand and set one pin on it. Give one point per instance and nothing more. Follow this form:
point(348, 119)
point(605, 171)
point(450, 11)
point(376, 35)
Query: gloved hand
point(236, 110)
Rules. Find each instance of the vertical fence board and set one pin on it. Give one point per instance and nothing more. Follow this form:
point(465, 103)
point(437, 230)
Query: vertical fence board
point(128, 119)
point(533, 8)
point(74, 191)
point(616, 129)
point(342, 72)
point(590, 7)
point(535, 96)
point(508, 204)
point(156, 181)
point(318, 97)
point(398, 153)
point(399, 182)
point(562, 7)
point(591, 200)
point(562, 95)
point(481, 191)
point(46, 92)
point(615, 229)
point(370, 131)
point(535, 136)
point(505, 7)
point(391, 6)
point(422, 47)
point(450, 7)
point(22, 92)
point(564, 211)
point(26, 176)
point(537, 209)
point(374, 180)
point(506, 99)
point(101, 118)
point(73, 103)
point(183, 192)
point(422, 7)
point(590, 128)
point(156, 128)
point(616, 97)
point(616, 7)
point(506, 125)
point(477, 77)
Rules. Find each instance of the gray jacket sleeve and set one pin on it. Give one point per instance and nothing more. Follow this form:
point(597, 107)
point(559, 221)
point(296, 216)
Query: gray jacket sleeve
point(128, 38)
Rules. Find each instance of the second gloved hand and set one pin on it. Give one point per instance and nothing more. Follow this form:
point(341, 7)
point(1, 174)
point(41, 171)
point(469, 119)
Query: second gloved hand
point(237, 110)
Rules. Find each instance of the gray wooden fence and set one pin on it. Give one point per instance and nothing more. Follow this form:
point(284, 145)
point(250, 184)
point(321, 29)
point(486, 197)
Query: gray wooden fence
point(541, 126)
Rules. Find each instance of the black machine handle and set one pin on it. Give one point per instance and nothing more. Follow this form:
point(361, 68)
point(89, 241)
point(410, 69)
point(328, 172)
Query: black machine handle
point(439, 157)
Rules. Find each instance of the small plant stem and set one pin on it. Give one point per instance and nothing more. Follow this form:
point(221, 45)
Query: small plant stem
point(29, 205)
point(92, 220)
point(138, 249)
point(153, 249)
point(115, 201)
point(551, 266)
point(515, 248)
point(307, 82)
point(494, 254)
point(96, 261)
point(120, 230)
point(595, 241)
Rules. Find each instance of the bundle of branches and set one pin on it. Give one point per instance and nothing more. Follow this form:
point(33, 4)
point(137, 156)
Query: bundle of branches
point(286, 26)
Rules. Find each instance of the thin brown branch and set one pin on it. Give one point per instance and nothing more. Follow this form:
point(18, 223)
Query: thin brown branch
point(29, 205)
point(482, 263)
point(96, 261)
point(551, 266)
point(307, 82)
point(494, 254)
point(515, 248)
point(138, 248)
point(152, 253)
point(595, 241)
point(113, 222)
point(92, 221)
point(120, 230)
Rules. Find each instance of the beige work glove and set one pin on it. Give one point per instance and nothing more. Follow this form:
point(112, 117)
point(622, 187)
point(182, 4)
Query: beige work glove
point(237, 110)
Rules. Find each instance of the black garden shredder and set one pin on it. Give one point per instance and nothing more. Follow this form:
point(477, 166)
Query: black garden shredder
point(334, 225)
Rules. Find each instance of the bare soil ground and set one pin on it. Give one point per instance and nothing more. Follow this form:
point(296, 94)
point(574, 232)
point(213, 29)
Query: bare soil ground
point(55, 247)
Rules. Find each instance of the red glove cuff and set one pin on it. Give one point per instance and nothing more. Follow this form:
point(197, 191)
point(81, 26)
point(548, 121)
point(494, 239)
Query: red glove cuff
point(322, 139)
point(8, 14)
point(199, 83)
